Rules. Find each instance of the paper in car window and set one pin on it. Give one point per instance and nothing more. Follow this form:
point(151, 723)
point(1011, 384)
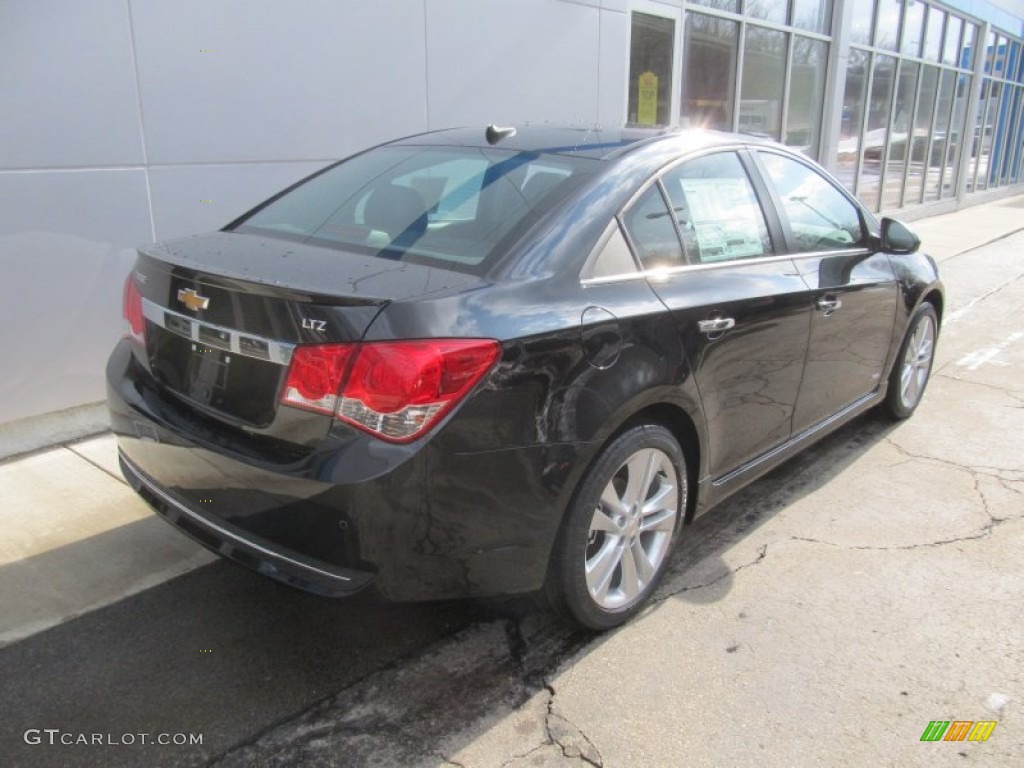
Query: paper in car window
point(726, 220)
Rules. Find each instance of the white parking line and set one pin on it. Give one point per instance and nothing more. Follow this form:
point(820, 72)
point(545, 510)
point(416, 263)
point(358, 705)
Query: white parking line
point(974, 360)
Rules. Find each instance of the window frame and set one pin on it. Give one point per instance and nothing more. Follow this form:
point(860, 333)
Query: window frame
point(868, 225)
point(778, 227)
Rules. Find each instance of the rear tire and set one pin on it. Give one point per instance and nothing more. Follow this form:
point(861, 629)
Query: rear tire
point(620, 530)
point(913, 367)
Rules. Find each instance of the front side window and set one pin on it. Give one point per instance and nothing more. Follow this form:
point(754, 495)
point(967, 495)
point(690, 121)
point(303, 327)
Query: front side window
point(447, 206)
point(820, 217)
point(717, 210)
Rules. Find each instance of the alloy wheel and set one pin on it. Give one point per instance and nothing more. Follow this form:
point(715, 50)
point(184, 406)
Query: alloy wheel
point(631, 528)
point(917, 362)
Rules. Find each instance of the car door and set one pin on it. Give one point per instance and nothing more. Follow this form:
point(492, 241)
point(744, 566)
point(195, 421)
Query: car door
point(740, 310)
point(852, 289)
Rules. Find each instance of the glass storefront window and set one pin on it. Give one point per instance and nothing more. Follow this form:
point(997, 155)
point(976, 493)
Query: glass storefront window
point(887, 23)
point(900, 139)
point(769, 10)
point(709, 74)
point(1013, 134)
point(860, 23)
point(1016, 140)
point(942, 144)
point(990, 52)
point(999, 57)
point(969, 45)
point(720, 5)
point(1013, 62)
point(883, 74)
point(982, 147)
point(806, 94)
point(933, 36)
point(913, 24)
point(951, 51)
point(764, 67)
point(918, 158)
point(1003, 132)
point(959, 134)
point(813, 15)
point(652, 43)
point(853, 118)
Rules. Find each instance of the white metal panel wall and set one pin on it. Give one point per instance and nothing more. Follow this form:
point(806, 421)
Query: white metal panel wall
point(72, 196)
point(124, 120)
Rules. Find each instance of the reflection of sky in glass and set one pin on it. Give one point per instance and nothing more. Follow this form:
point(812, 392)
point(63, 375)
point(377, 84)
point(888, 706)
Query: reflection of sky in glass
point(912, 28)
point(863, 12)
point(952, 48)
point(887, 24)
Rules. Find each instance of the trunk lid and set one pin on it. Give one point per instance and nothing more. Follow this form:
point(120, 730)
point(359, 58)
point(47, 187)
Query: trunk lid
point(224, 312)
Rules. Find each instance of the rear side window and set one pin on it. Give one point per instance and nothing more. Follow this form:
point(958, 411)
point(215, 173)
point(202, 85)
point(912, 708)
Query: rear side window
point(717, 210)
point(456, 207)
point(821, 218)
point(650, 228)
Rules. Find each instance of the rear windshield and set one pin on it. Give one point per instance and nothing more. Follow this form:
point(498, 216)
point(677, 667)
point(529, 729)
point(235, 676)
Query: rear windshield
point(456, 207)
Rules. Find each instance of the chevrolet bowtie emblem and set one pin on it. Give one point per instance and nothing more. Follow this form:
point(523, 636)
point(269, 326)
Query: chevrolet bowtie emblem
point(192, 299)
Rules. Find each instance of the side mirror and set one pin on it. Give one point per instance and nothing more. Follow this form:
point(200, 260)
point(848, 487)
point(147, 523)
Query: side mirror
point(897, 238)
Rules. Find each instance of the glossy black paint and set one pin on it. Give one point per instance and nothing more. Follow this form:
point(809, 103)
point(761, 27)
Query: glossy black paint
point(473, 507)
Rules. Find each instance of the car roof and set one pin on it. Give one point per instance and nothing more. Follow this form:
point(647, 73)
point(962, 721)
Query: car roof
point(596, 142)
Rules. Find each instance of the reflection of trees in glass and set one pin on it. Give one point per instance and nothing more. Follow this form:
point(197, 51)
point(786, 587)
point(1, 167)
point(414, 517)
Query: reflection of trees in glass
point(959, 132)
point(806, 94)
point(812, 14)
point(903, 113)
point(943, 142)
point(852, 120)
point(863, 15)
point(887, 23)
point(916, 143)
point(721, 5)
point(883, 71)
point(764, 59)
point(709, 76)
point(770, 10)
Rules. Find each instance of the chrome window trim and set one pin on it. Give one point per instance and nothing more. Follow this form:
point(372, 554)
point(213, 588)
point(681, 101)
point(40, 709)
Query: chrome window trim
point(278, 352)
point(661, 274)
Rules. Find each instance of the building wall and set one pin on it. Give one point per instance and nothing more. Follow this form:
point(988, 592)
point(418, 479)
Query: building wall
point(128, 121)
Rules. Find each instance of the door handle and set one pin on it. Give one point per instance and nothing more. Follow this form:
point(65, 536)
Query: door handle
point(717, 325)
point(829, 304)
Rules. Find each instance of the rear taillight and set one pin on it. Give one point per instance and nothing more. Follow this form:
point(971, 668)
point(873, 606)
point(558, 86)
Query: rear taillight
point(132, 310)
point(393, 390)
point(315, 376)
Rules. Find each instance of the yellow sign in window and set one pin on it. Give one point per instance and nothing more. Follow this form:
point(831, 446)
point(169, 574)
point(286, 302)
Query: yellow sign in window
point(647, 99)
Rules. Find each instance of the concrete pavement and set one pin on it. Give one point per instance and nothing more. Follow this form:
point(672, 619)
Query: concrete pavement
point(823, 616)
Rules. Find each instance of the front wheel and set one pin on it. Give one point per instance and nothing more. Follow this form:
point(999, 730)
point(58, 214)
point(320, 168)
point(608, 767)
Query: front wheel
point(618, 533)
point(913, 368)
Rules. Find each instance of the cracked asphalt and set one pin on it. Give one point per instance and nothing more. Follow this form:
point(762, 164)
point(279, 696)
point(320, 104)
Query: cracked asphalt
point(823, 616)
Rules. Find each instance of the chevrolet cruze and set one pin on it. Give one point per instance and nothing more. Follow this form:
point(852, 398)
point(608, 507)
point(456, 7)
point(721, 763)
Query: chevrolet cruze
point(480, 362)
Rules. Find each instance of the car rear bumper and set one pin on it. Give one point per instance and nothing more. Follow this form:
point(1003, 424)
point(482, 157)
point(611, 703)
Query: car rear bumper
point(334, 516)
point(242, 546)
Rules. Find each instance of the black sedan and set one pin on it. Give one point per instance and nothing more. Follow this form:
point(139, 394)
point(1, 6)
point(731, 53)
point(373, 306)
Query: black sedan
point(480, 362)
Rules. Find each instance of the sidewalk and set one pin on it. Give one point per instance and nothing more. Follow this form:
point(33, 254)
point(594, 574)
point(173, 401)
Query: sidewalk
point(55, 565)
